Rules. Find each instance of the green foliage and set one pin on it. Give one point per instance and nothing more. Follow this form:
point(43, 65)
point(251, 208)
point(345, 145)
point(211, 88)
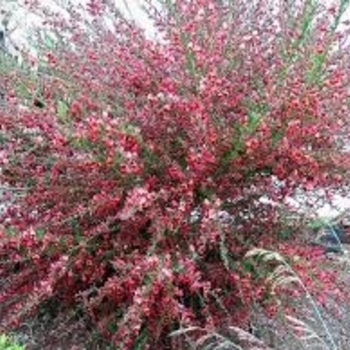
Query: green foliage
point(319, 223)
point(6, 343)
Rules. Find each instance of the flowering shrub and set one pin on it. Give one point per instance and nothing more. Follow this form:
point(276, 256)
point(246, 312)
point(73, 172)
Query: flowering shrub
point(233, 102)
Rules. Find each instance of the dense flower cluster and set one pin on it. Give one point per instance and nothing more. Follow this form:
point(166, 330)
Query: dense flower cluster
point(136, 134)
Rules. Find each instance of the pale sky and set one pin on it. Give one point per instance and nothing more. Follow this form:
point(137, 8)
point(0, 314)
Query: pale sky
point(22, 20)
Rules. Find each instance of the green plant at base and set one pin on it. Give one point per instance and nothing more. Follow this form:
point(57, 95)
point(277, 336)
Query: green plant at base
point(6, 343)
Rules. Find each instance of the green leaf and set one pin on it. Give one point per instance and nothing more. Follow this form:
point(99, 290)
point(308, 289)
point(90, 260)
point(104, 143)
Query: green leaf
point(40, 233)
point(3, 341)
point(254, 119)
point(141, 339)
point(62, 111)
point(276, 136)
point(48, 41)
point(315, 73)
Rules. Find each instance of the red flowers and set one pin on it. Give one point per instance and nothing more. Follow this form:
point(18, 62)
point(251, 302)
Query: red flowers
point(76, 109)
point(139, 135)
